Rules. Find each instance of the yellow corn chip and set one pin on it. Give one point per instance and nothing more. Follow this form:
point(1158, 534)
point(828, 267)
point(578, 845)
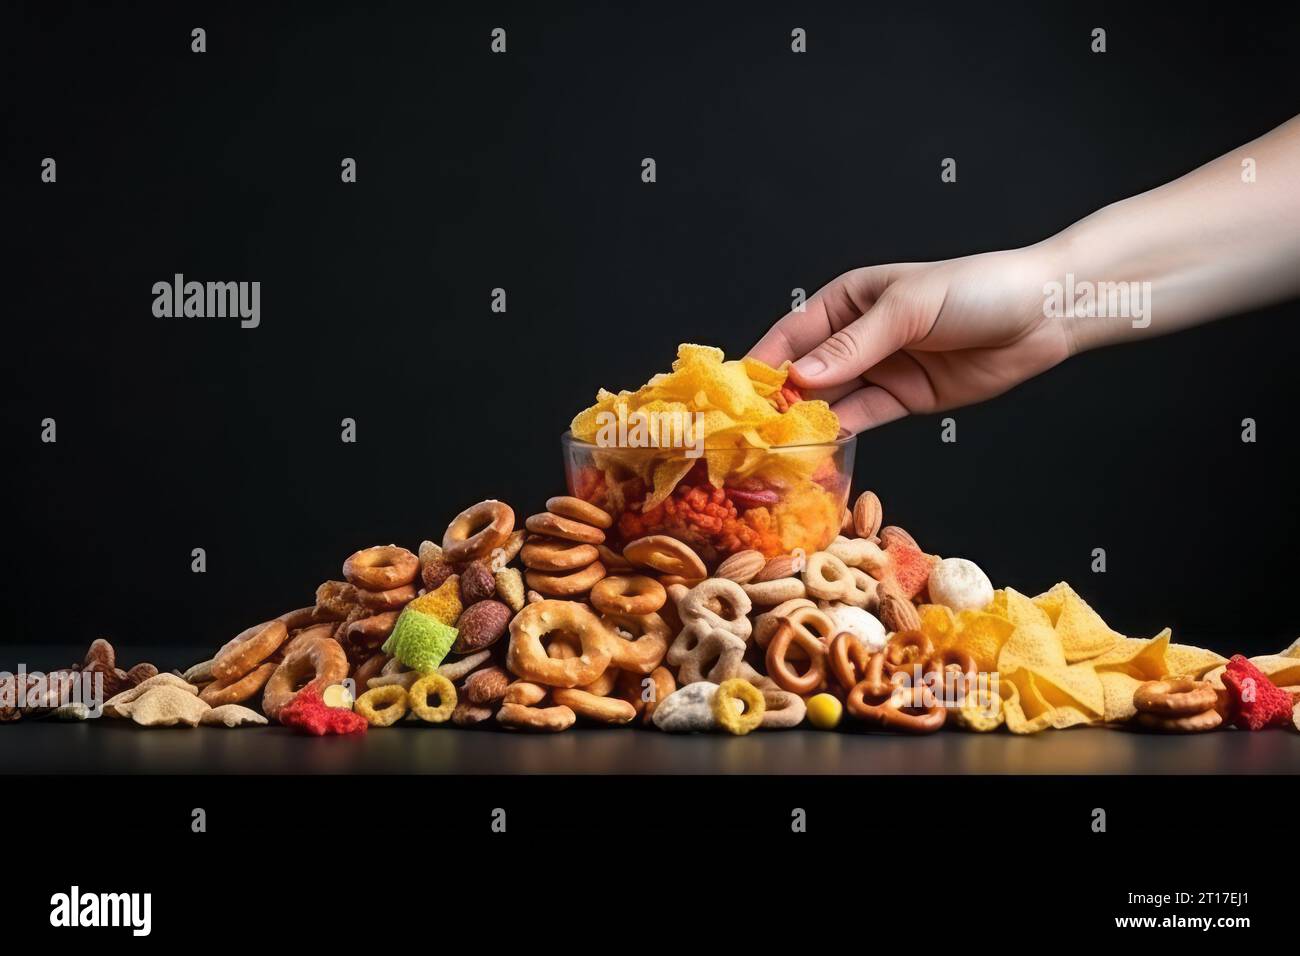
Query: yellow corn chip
point(1143, 659)
point(1082, 632)
point(982, 636)
point(1010, 604)
point(1183, 660)
point(1034, 646)
point(667, 475)
point(1118, 688)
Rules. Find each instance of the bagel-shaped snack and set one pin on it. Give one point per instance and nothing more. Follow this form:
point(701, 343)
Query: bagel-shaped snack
point(554, 526)
point(566, 585)
point(381, 568)
point(576, 509)
point(527, 657)
point(238, 689)
point(248, 649)
point(645, 645)
point(634, 594)
point(665, 555)
point(317, 664)
point(478, 531)
point(553, 554)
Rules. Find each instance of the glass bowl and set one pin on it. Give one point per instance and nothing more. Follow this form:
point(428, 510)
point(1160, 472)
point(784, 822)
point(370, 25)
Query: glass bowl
point(721, 500)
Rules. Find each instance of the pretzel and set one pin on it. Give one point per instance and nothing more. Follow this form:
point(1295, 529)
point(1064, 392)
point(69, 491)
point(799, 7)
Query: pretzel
point(363, 637)
point(566, 585)
point(613, 560)
point(317, 665)
point(636, 594)
point(335, 600)
point(882, 702)
point(779, 667)
point(579, 510)
point(1189, 724)
point(527, 657)
point(765, 624)
point(1174, 697)
point(381, 568)
point(478, 531)
point(906, 649)
point(782, 709)
point(247, 649)
point(238, 689)
point(455, 670)
point(859, 553)
point(848, 660)
point(394, 599)
point(706, 655)
point(644, 697)
point(938, 665)
point(715, 605)
point(666, 555)
point(304, 636)
point(302, 617)
point(367, 669)
point(554, 526)
point(645, 649)
point(843, 582)
point(606, 710)
point(552, 554)
point(552, 719)
point(525, 693)
point(777, 591)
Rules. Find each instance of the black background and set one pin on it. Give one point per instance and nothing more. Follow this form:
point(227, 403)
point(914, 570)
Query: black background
point(775, 170)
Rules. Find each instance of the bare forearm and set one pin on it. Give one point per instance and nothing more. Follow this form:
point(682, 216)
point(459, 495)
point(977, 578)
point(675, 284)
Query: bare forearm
point(1209, 244)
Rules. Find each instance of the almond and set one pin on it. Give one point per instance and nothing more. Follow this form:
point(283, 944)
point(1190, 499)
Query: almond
point(896, 612)
point(894, 531)
point(741, 566)
point(867, 515)
point(846, 522)
point(486, 686)
point(782, 566)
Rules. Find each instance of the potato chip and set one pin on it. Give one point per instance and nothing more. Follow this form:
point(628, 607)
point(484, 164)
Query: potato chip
point(737, 417)
point(1010, 604)
point(1034, 646)
point(1082, 632)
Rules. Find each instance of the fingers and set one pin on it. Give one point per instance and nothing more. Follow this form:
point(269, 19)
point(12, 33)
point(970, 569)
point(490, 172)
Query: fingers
point(849, 352)
point(868, 407)
point(833, 307)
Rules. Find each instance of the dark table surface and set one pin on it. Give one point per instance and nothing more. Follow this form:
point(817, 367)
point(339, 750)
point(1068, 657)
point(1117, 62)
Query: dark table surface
point(117, 746)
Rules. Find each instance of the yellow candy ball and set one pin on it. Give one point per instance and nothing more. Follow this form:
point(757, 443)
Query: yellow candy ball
point(336, 695)
point(825, 711)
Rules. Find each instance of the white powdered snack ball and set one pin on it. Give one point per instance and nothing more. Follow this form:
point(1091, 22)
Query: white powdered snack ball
point(960, 585)
point(688, 709)
point(861, 624)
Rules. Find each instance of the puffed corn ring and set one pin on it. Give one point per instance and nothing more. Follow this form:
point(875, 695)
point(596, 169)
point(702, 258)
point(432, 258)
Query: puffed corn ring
point(382, 706)
point(418, 698)
point(724, 711)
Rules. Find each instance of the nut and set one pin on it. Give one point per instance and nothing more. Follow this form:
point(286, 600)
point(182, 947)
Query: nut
point(897, 613)
point(486, 686)
point(510, 588)
point(741, 566)
point(893, 531)
point(481, 625)
point(141, 672)
point(867, 515)
point(101, 653)
point(782, 566)
point(477, 583)
point(435, 572)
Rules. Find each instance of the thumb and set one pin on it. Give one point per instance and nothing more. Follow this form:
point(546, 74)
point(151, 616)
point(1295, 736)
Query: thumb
point(853, 349)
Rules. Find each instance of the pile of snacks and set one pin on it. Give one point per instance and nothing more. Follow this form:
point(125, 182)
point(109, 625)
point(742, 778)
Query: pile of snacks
point(733, 593)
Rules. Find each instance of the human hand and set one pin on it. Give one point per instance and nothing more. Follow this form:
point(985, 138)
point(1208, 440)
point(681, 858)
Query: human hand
point(886, 341)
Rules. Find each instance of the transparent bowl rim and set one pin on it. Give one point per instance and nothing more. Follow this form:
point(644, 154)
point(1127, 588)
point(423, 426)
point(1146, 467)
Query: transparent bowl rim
point(844, 439)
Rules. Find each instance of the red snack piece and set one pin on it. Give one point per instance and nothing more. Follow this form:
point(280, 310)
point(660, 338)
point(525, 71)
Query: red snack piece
point(909, 566)
point(309, 714)
point(1256, 702)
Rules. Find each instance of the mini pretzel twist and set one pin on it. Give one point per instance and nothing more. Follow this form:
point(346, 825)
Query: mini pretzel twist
point(886, 704)
point(780, 667)
point(715, 605)
point(701, 654)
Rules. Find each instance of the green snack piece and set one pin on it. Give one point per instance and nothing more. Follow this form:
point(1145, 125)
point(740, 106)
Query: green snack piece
point(420, 641)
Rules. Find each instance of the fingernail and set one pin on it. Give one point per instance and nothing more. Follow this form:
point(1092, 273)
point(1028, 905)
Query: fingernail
point(809, 366)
